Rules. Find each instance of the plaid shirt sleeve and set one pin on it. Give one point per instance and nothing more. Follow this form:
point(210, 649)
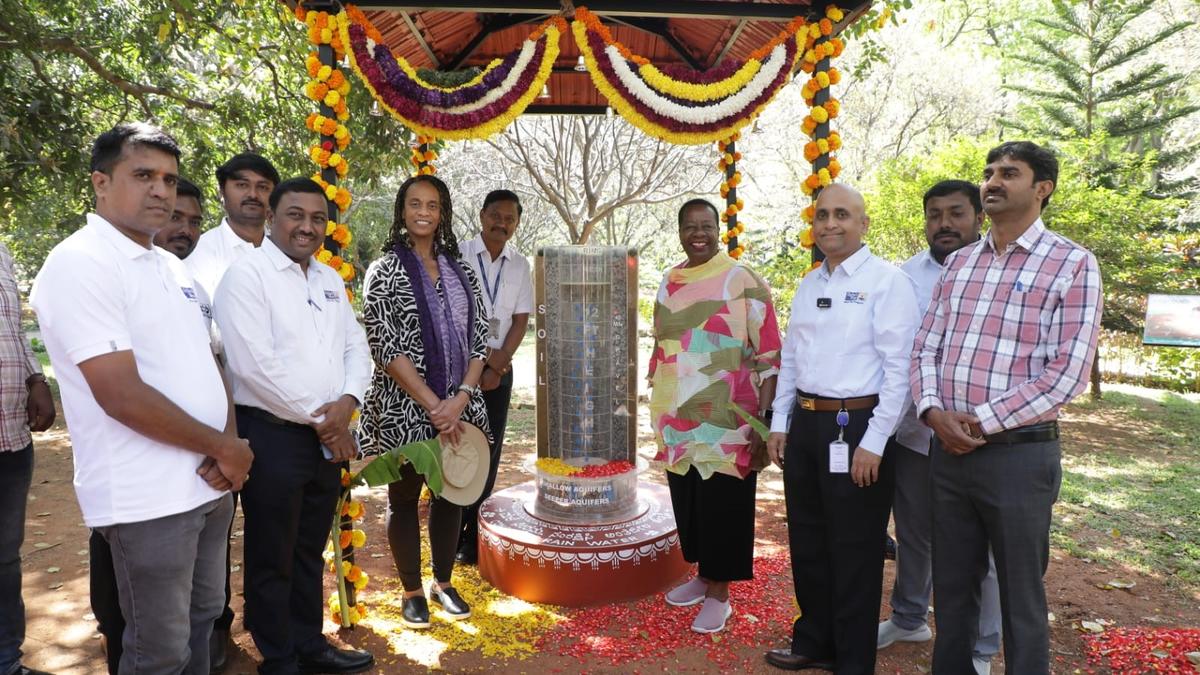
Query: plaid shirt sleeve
point(927, 351)
point(1074, 328)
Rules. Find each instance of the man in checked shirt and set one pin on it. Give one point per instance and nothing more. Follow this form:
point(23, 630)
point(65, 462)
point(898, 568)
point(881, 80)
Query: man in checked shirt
point(1008, 339)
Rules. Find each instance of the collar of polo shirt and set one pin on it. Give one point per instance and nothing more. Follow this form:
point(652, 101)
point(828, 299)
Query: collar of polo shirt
point(111, 234)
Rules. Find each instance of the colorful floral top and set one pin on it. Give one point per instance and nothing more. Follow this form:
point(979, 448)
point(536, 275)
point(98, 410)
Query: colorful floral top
point(716, 339)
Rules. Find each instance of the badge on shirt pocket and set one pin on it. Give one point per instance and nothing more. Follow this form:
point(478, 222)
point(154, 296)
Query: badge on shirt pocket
point(855, 297)
point(189, 293)
point(331, 296)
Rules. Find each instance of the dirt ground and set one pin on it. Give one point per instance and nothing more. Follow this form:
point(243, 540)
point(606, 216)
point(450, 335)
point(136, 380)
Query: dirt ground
point(62, 635)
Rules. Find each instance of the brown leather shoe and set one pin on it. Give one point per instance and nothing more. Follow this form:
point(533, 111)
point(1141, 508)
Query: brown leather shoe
point(786, 660)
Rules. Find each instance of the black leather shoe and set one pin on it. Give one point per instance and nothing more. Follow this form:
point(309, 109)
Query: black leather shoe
point(218, 651)
point(786, 660)
point(451, 602)
point(467, 554)
point(337, 661)
point(414, 612)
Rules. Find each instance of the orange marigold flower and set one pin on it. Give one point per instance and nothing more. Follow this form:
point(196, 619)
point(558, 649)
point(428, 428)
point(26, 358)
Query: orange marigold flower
point(335, 262)
point(812, 182)
point(826, 26)
point(344, 540)
point(811, 151)
point(835, 76)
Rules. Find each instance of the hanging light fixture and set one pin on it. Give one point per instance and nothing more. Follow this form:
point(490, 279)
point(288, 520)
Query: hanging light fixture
point(545, 91)
point(376, 111)
point(580, 65)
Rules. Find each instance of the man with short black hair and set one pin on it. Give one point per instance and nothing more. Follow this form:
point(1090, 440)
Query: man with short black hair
point(1008, 339)
point(150, 420)
point(505, 277)
point(244, 183)
point(953, 218)
point(300, 366)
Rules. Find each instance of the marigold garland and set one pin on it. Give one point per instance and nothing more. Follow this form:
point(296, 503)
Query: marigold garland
point(687, 107)
point(423, 155)
point(478, 108)
point(729, 158)
point(341, 543)
point(821, 146)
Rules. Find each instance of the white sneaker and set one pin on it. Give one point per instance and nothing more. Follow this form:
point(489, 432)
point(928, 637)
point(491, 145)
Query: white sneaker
point(688, 593)
point(712, 616)
point(983, 665)
point(890, 633)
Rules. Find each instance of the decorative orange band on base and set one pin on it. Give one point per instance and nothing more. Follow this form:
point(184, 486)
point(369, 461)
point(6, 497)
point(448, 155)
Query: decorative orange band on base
point(576, 565)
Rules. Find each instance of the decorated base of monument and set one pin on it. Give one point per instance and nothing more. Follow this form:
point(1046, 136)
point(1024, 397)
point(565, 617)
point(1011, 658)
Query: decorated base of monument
point(545, 560)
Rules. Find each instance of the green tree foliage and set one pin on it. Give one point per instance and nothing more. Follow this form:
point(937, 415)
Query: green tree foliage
point(1094, 72)
point(222, 76)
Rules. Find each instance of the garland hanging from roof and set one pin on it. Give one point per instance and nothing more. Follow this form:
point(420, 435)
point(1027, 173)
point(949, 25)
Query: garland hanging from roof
point(686, 106)
point(478, 108)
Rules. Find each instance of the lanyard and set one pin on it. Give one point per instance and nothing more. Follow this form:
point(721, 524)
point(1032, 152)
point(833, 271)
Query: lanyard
point(843, 421)
point(492, 289)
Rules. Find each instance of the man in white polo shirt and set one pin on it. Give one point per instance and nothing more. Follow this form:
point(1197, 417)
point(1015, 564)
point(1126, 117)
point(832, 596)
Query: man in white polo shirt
point(150, 420)
point(300, 365)
point(504, 276)
point(244, 183)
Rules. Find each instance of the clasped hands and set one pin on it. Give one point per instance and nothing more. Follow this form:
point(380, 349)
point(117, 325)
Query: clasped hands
point(446, 416)
point(959, 432)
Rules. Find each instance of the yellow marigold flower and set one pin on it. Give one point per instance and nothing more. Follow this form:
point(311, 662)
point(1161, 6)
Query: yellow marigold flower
point(819, 114)
point(822, 79)
point(824, 177)
point(361, 582)
point(324, 257)
point(331, 98)
point(834, 13)
point(330, 226)
point(806, 238)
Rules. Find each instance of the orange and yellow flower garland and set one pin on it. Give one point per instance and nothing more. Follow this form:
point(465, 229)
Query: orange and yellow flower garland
point(423, 155)
point(821, 146)
point(729, 158)
point(328, 86)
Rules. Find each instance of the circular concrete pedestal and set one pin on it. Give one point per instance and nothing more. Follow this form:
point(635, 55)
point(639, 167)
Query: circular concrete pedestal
point(578, 564)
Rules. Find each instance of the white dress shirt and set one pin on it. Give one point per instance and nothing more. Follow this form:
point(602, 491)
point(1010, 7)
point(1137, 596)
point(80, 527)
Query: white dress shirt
point(291, 339)
point(216, 250)
point(859, 346)
point(505, 283)
point(924, 272)
point(100, 292)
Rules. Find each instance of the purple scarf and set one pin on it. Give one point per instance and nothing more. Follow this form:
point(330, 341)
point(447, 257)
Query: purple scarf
point(439, 334)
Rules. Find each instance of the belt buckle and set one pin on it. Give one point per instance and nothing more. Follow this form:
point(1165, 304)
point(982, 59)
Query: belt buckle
point(808, 403)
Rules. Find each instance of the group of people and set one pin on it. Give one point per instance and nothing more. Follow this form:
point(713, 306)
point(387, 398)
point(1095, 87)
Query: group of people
point(188, 362)
point(928, 391)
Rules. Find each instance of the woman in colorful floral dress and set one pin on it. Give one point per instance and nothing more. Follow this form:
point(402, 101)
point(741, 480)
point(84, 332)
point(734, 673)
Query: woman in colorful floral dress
point(716, 350)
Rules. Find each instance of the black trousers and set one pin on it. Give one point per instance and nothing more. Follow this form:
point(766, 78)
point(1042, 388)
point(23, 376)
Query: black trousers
point(496, 401)
point(288, 505)
point(1000, 494)
point(106, 605)
point(836, 536)
point(404, 530)
point(225, 621)
point(715, 519)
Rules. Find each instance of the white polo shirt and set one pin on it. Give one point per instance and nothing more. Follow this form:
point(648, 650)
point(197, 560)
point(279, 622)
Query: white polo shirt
point(924, 272)
point(505, 283)
point(858, 346)
point(100, 292)
point(216, 250)
point(292, 341)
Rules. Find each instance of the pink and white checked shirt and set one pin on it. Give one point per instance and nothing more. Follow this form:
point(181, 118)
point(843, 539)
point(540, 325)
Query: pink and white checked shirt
point(17, 361)
point(1009, 337)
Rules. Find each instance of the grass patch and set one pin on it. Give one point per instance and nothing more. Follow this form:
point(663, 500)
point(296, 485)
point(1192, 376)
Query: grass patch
point(1131, 483)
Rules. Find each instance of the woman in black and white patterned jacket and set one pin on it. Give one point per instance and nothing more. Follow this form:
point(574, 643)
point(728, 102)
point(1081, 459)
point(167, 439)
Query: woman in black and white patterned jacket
point(427, 331)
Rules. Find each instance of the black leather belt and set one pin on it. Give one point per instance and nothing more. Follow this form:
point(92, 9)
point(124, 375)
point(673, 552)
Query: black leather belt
point(1034, 433)
point(260, 414)
point(825, 404)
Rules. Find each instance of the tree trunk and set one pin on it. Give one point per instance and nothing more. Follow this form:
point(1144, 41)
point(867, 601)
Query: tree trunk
point(1096, 395)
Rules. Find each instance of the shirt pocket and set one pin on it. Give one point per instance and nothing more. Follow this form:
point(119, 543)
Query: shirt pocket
point(1027, 301)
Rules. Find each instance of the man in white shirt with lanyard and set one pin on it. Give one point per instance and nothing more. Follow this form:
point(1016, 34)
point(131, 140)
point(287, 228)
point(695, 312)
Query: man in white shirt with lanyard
point(244, 183)
point(300, 365)
point(953, 218)
point(842, 387)
point(504, 275)
point(151, 425)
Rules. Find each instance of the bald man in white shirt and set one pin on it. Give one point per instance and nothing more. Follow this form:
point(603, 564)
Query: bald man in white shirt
point(842, 387)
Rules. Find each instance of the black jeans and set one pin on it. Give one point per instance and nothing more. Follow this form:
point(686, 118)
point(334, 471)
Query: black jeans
point(16, 472)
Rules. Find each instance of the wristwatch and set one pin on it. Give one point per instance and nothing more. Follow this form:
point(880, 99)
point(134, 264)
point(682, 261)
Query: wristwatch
point(470, 391)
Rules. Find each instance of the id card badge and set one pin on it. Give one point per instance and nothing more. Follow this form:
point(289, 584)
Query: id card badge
point(839, 457)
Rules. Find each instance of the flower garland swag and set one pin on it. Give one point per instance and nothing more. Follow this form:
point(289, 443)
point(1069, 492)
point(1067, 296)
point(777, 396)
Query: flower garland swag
point(328, 87)
point(476, 109)
point(681, 105)
point(732, 177)
point(823, 108)
point(423, 155)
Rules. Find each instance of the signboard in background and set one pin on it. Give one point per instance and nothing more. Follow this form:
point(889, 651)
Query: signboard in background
point(1172, 320)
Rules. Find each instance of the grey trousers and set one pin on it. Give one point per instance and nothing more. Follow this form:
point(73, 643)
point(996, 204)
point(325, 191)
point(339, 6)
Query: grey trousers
point(914, 556)
point(171, 582)
point(1002, 495)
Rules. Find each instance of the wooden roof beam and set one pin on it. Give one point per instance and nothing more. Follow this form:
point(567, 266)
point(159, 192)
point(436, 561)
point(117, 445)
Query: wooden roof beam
point(416, 33)
point(664, 9)
point(658, 27)
point(733, 38)
point(491, 23)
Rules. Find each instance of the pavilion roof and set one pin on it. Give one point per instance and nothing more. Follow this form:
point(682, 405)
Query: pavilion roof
point(453, 34)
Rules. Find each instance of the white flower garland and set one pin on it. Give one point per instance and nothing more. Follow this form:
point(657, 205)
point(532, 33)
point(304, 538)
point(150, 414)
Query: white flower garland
point(703, 114)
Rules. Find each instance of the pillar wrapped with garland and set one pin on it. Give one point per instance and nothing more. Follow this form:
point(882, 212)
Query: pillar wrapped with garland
point(328, 87)
point(823, 108)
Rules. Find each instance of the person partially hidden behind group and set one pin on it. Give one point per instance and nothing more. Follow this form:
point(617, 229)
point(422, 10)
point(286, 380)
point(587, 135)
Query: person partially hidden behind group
point(427, 331)
point(716, 349)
